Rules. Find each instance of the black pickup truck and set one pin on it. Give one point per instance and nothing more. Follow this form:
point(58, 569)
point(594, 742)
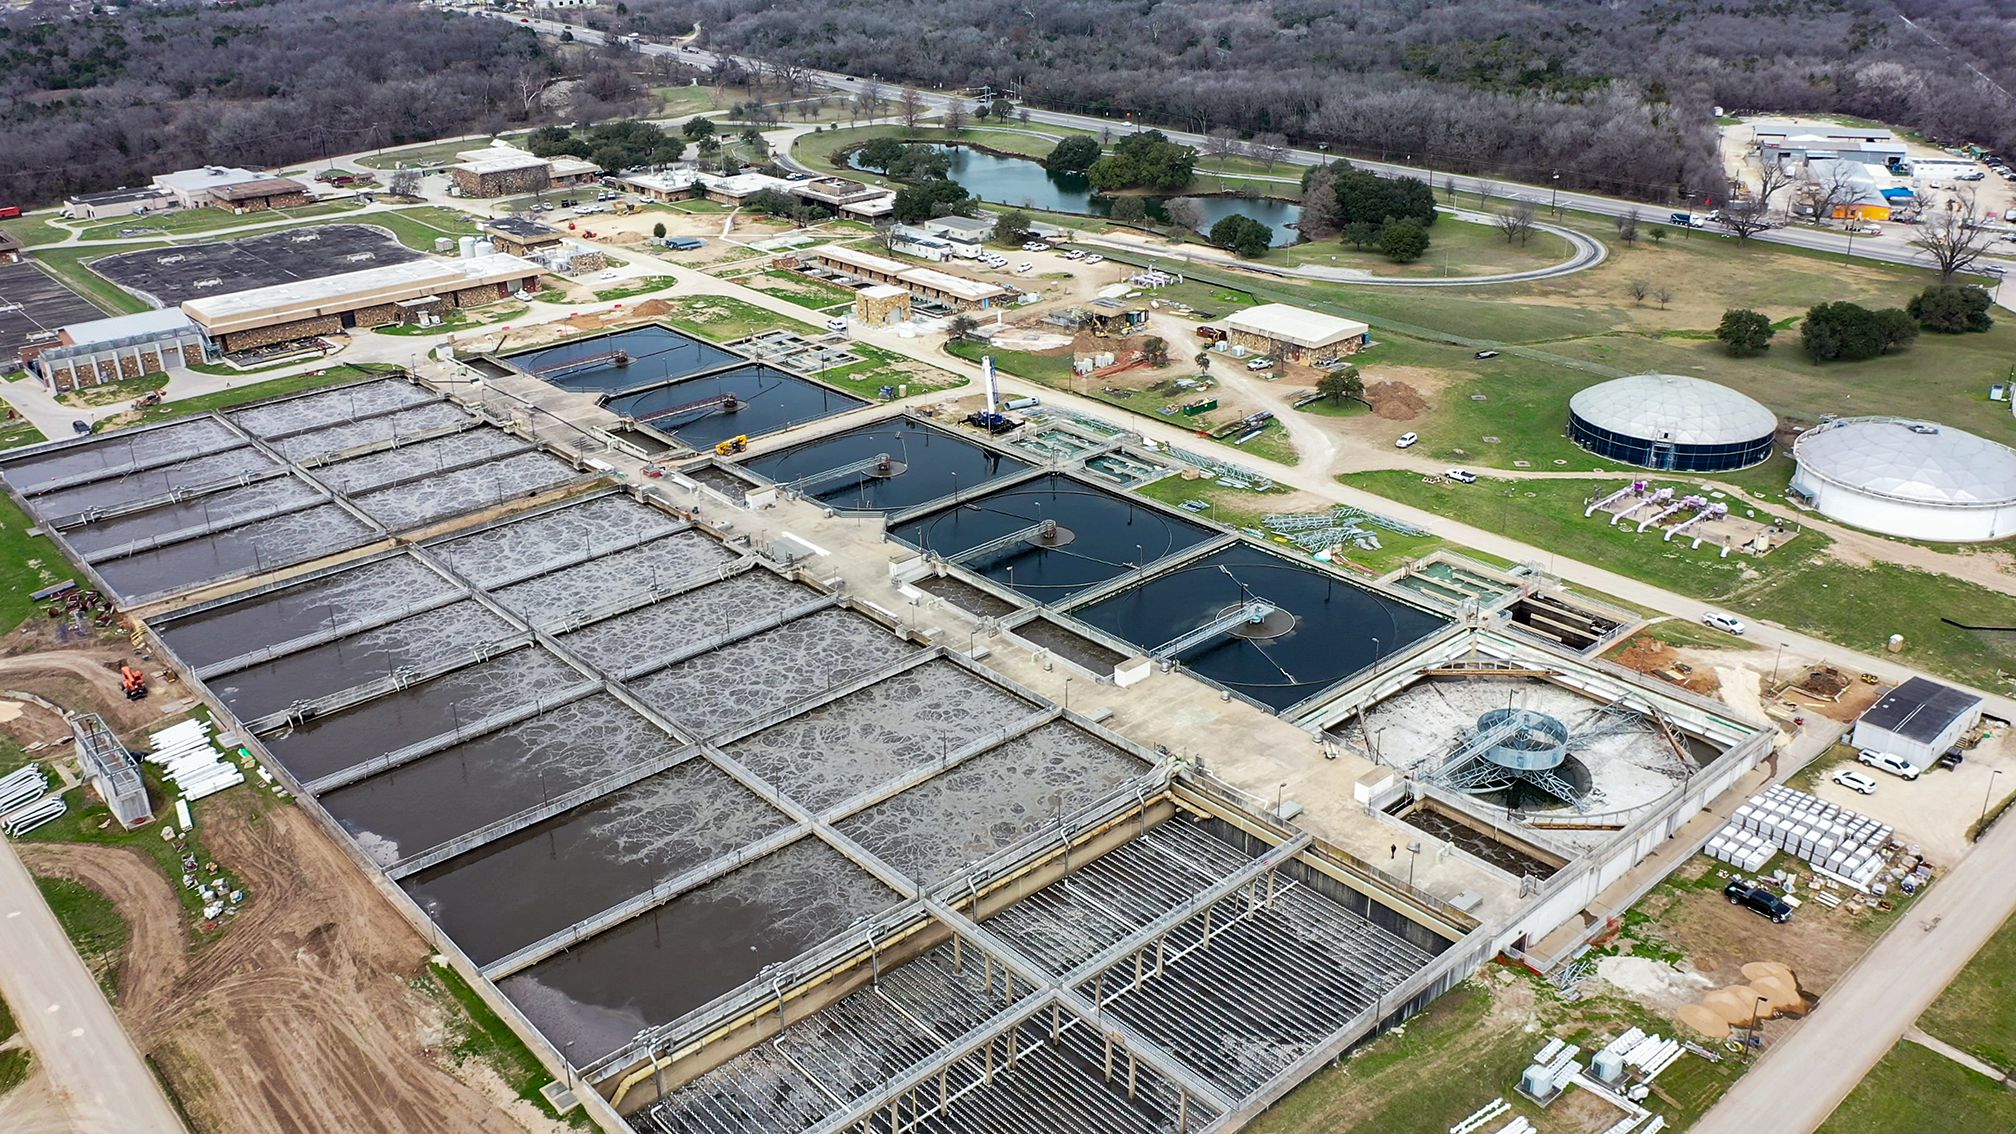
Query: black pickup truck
point(1766, 903)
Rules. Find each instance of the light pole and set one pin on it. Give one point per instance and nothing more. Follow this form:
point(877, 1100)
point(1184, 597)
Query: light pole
point(1756, 1011)
point(1554, 201)
point(1779, 661)
point(1280, 796)
point(1414, 856)
point(1990, 794)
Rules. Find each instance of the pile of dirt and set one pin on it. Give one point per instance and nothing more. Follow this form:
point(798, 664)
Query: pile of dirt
point(651, 309)
point(1654, 658)
point(1772, 991)
point(1824, 681)
point(1396, 401)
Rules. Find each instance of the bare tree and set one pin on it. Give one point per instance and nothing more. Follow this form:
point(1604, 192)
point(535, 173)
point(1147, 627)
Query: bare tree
point(1516, 222)
point(405, 183)
point(1771, 179)
point(1664, 295)
point(910, 107)
point(1639, 290)
point(1627, 227)
point(1271, 149)
point(1221, 143)
point(1485, 191)
point(1184, 213)
point(1832, 186)
point(1321, 214)
point(1744, 217)
point(1954, 236)
point(1449, 188)
point(955, 116)
point(868, 97)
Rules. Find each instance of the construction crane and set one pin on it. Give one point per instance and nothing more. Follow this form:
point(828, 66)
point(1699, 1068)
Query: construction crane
point(731, 446)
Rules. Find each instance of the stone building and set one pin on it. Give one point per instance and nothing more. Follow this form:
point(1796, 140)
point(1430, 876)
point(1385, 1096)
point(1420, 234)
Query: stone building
point(107, 350)
point(375, 297)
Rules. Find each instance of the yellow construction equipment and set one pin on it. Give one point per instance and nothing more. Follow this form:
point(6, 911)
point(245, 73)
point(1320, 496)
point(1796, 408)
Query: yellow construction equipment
point(731, 446)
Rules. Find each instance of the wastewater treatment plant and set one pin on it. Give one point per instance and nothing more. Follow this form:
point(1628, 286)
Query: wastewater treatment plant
point(749, 787)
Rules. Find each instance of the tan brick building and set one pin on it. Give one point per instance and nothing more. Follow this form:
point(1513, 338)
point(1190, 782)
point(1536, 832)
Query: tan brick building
point(375, 297)
point(106, 350)
point(265, 193)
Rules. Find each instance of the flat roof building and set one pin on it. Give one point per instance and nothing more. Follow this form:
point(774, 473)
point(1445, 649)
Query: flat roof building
point(106, 350)
point(927, 282)
point(262, 193)
point(213, 185)
point(1295, 333)
point(117, 203)
point(10, 248)
point(370, 298)
point(522, 236)
point(498, 171)
point(1919, 720)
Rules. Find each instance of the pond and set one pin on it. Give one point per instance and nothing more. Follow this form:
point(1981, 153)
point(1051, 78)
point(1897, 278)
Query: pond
point(1023, 182)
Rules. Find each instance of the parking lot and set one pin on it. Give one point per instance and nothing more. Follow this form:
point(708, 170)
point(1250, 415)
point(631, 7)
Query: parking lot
point(167, 276)
point(31, 302)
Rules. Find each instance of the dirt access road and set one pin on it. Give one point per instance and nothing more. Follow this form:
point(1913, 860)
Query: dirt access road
point(302, 1016)
point(97, 1082)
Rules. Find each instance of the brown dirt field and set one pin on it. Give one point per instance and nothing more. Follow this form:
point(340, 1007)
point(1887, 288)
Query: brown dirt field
point(1718, 939)
point(301, 1016)
point(1654, 658)
point(88, 676)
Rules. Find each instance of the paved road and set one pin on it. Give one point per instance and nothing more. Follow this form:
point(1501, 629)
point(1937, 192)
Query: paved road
point(1892, 247)
point(1797, 1084)
point(89, 1061)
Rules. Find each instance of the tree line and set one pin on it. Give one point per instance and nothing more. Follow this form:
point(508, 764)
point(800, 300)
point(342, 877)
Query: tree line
point(1616, 97)
point(100, 97)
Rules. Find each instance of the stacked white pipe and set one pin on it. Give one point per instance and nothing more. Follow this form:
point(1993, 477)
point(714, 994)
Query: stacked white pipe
point(25, 802)
point(1481, 1116)
point(1843, 843)
point(189, 759)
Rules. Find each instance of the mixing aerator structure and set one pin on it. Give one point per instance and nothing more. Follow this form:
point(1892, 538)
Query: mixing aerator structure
point(1513, 745)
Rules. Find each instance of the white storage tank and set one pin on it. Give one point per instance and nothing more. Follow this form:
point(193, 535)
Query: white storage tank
point(468, 247)
point(486, 248)
point(1909, 478)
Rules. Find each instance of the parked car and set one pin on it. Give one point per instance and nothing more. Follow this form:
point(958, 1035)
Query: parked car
point(1038, 246)
point(1405, 440)
point(1856, 782)
point(1461, 476)
point(836, 324)
point(1867, 230)
point(1095, 258)
point(1971, 175)
point(1487, 354)
point(1728, 623)
point(1766, 903)
point(1261, 364)
point(1889, 762)
point(81, 426)
point(1951, 758)
point(1025, 266)
point(1074, 254)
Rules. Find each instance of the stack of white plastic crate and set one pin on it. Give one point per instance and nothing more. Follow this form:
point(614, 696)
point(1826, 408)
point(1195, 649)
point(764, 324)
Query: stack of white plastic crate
point(1831, 838)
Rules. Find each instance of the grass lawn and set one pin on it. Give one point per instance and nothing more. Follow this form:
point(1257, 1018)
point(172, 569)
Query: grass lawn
point(677, 102)
point(27, 564)
point(433, 153)
point(69, 265)
point(1977, 1012)
point(186, 221)
point(1799, 585)
point(35, 228)
point(419, 227)
point(93, 925)
point(799, 288)
point(1272, 444)
point(458, 320)
point(478, 1033)
point(721, 318)
point(1053, 370)
point(257, 391)
point(1326, 408)
point(1914, 1089)
point(644, 286)
point(1458, 248)
point(879, 368)
point(112, 393)
point(19, 432)
point(1468, 1048)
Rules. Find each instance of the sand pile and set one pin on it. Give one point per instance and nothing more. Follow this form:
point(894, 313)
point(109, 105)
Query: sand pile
point(1722, 1010)
point(1396, 401)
